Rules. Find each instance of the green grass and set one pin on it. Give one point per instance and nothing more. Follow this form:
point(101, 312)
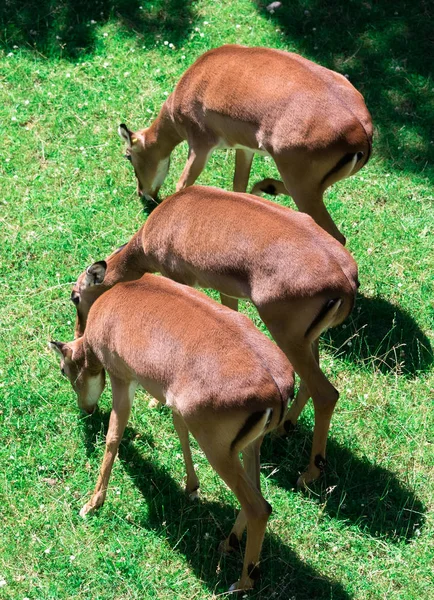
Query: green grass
point(68, 198)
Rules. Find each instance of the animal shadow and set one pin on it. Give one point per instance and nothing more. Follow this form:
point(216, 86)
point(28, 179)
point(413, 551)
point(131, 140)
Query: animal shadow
point(66, 28)
point(195, 529)
point(382, 336)
point(149, 204)
point(351, 489)
point(384, 49)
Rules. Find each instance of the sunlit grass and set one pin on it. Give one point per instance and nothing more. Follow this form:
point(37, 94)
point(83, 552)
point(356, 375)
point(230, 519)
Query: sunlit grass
point(69, 198)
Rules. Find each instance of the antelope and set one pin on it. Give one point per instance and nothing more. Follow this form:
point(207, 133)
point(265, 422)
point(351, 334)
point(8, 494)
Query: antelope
point(310, 120)
point(226, 383)
point(301, 280)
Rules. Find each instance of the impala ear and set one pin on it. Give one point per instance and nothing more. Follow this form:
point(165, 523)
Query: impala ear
point(127, 135)
point(63, 350)
point(95, 274)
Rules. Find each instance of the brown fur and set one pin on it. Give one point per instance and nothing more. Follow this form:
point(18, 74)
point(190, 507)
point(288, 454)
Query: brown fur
point(247, 247)
point(224, 381)
point(309, 119)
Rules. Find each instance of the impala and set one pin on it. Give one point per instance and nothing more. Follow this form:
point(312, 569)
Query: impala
point(225, 382)
point(300, 278)
point(310, 120)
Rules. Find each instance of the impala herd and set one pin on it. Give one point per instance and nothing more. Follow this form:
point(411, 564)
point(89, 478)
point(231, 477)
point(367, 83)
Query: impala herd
point(227, 383)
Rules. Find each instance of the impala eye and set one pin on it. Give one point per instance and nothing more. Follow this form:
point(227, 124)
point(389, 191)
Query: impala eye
point(62, 370)
point(128, 157)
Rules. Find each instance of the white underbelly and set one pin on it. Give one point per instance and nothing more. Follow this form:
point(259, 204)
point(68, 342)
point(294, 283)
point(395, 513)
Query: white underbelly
point(154, 388)
point(224, 144)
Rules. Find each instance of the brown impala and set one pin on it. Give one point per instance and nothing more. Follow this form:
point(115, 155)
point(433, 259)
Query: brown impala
point(310, 120)
point(225, 382)
point(300, 279)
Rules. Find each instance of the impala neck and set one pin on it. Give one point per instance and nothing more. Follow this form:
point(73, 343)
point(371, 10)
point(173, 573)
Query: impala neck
point(91, 362)
point(162, 132)
point(128, 263)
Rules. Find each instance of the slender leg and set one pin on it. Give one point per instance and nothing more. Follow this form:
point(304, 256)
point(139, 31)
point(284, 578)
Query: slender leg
point(300, 400)
point(295, 409)
point(313, 205)
point(229, 302)
point(192, 486)
point(196, 161)
point(243, 164)
point(317, 463)
point(257, 511)
point(251, 460)
point(315, 384)
point(123, 394)
point(324, 397)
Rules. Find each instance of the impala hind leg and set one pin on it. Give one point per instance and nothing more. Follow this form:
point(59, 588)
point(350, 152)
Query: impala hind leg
point(255, 512)
point(324, 397)
point(251, 461)
point(192, 486)
point(198, 155)
point(312, 203)
point(123, 394)
point(300, 400)
point(243, 164)
point(254, 507)
point(304, 359)
point(294, 410)
point(307, 191)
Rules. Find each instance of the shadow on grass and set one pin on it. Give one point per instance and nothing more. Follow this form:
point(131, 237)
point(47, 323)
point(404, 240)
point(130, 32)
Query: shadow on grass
point(383, 337)
point(351, 489)
point(386, 49)
point(149, 204)
point(66, 28)
point(195, 529)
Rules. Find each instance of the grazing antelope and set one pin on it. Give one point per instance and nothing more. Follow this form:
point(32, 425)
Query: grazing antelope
point(300, 279)
point(225, 382)
point(310, 120)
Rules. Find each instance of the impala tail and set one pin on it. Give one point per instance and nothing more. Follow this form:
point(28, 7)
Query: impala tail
point(327, 317)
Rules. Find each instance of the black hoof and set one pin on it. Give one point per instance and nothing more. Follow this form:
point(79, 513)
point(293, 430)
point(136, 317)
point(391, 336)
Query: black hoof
point(234, 542)
point(320, 462)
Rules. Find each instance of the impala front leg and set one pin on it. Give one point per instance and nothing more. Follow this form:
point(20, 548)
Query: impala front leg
point(243, 164)
point(192, 487)
point(198, 156)
point(123, 394)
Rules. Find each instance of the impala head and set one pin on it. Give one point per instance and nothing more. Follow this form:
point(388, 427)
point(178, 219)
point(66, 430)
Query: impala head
point(87, 382)
point(149, 166)
point(86, 290)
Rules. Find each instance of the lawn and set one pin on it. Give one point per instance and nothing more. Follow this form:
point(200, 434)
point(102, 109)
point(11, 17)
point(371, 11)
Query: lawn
point(70, 72)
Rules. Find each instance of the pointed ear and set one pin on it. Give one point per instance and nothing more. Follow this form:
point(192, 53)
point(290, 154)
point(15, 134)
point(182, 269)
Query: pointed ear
point(63, 350)
point(127, 135)
point(95, 274)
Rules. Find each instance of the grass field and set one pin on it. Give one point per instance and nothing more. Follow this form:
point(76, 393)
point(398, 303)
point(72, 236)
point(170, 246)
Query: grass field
point(70, 72)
